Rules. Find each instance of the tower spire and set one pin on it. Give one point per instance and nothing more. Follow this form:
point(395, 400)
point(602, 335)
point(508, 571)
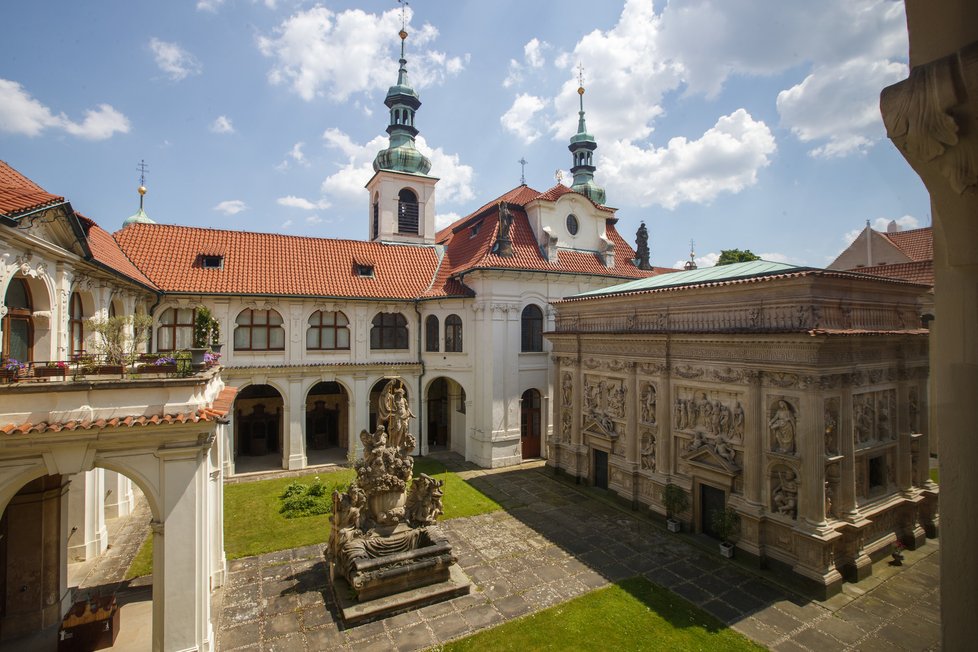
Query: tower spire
point(140, 216)
point(402, 100)
point(582, 146)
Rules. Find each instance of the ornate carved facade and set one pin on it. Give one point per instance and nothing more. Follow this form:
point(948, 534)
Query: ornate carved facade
point(812, 434)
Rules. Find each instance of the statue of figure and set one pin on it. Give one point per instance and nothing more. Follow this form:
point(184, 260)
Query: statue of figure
point(565, 426)
point(701, 411)
point(687, 421)
point(864, 420)
point(696, 442)
point(642, 253)
point(394, 408)
point(678, 414)
point(828, 501)
point(738, 422)
point(504, 244)
point(831, 444)
point(783, 428)
point(423, 504)
point(648, 452)
point(715, 418)
point(567, 390)
point(724, 428)
point(723, 450)
point(648, 404)
point(914, 409)
point(616, 400)
point(786, 494)
point(346, 520)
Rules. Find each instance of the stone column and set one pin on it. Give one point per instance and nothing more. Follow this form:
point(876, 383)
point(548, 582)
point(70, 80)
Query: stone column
point(359, 413)
point(293, 439)
point(181, 559)
point(633, 414)
point(809, 444)
point(932, 119)
point(119, 498)
point(755, 442)
point(664, 419)
point(87, 536)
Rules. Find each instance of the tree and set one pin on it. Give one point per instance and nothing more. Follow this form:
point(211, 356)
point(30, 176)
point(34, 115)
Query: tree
point(731, 256)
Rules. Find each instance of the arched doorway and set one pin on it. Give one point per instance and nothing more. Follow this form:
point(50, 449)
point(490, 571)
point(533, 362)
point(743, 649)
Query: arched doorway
point(530, 424)
point(445, 415)
point(258, 429)
point(327, 419)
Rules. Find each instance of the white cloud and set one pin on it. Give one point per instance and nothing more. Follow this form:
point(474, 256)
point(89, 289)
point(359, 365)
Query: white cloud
point(839, 104)
point(455, 183)
point(209, 5)
point(708, 260)
point(314, 219)
point(444, 219)
point(173, 60)
point(20, 113)
point(312, 51)
point(533, 52)
point(222, 125)
point(296, 155)
point(518, 119)
point(905, 223)
point(291, 201)
point(725, 159)
point(285, 225)
point(231, 206)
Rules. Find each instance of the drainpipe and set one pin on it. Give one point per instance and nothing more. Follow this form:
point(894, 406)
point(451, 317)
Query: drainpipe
point(421, 432)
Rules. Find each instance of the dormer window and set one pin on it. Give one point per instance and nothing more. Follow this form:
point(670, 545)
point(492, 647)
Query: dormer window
point(364, 270)
point(474, 231)
point(212, 261)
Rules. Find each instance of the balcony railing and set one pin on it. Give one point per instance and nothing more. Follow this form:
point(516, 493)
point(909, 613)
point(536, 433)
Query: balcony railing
point(176, 364)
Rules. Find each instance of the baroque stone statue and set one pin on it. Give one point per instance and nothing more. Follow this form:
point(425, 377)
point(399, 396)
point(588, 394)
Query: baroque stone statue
point(783, 424)
point(785, 494)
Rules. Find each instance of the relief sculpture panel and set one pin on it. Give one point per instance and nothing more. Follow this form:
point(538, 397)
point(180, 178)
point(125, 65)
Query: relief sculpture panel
point(873, 417)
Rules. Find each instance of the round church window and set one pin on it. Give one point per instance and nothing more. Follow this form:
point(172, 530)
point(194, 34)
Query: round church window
point(572, 224)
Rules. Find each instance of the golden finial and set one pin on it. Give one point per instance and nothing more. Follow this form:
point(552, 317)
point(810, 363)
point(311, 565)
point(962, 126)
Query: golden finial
point(142, 181)
point(580, 79)
point(403, 33)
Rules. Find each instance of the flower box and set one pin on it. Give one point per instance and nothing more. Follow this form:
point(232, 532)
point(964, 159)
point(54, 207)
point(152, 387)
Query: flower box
point(49, 372)
point(108, 369)
point(673, 525)
point(727, 550)
point(156, 369)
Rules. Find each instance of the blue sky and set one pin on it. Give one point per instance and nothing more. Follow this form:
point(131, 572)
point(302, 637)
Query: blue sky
point(736, 123)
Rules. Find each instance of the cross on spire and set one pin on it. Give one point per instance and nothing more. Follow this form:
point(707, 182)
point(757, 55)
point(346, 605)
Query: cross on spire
point(522, 163)
point(580, 74)
point(142, 172)
point(404, 5)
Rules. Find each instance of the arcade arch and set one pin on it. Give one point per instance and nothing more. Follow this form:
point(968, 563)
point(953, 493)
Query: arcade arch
point(258, 429)
point(445, 415)
point(327, 431)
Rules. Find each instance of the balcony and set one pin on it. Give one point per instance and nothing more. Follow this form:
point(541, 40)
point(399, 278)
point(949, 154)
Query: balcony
point(89, 367)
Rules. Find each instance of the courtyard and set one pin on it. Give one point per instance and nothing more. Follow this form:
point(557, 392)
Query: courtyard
point(555, 541)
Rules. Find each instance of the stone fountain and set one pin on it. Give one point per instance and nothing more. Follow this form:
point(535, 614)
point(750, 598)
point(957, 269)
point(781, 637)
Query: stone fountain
point(385, 553)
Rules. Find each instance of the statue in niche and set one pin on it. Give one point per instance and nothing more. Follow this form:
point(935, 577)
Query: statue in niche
point(828, 501)
point(863, 419)
point(883, 418)
point(648, 404)
point(616, 400)
point(782, 426)
point(504, 244)
point(785, 494)
point(715, 418)
point(831, 427)
point(702, 410)
point(738, 422)
point(724, 425)
point(565, 426)
point(648, 450)
point(567, 390)
point(913, 405)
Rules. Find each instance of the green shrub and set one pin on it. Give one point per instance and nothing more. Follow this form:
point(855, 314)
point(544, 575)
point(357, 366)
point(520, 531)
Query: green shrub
point(294, 488)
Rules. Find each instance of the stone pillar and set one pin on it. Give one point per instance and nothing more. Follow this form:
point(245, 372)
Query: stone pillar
point(181, 558)
point(119, 498)
point(932, 118)
point(755, 442)
point(87, 536)
point(810, 447)
point(294, 439)
point(633, 414)
point(359, 413)
point(664, 418)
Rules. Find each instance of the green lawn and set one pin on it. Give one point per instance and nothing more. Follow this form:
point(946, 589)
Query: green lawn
point(630, 615)
point(934, 474)
point(253, 524)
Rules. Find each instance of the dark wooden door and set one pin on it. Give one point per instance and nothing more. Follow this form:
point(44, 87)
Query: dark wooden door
point(530, 424)
point(601, 469)
point(711, 501)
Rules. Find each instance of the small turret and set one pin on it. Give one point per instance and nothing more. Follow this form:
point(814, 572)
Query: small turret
point(140, 216)
point(582, 146)
point(402, 100)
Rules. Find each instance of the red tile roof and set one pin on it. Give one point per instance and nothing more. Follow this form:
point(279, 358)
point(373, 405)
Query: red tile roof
point(467, 251)
point(921, 271)
point(19, 194)
point(106, 251)
point(272, 264)
point(917, 244)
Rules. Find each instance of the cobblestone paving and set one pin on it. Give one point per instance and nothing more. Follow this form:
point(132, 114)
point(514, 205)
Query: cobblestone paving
point(555, 542)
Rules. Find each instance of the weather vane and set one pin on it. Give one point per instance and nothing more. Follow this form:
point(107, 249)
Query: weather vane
point(580, 74)
point(522, 163)
point(559, 175)
point(404, 5)
point(142, 172)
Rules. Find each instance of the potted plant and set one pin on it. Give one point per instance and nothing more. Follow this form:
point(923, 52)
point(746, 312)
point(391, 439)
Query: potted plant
point(115, 340)
point(725, 523)
point(50, 369)
point(10, 369)
point(676, 501)
point(204, 328)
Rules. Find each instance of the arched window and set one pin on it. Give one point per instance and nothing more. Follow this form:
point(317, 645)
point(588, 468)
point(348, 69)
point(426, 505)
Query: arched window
point(376, 223)
point(531, 329)
point(18, 323)
point(389, 331)
point(407, 212)
point(259, 330)
point(431, 333)
point(327, 331)
point(176, 329)
point(453, 334)
point(76, 325)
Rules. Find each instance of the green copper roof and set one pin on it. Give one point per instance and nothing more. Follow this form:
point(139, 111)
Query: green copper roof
point(140, 217)
point(401, 155)
point(582, 146)
point(691, 277)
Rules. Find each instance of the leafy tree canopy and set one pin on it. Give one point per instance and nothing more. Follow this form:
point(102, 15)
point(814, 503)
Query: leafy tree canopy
point(730, 256)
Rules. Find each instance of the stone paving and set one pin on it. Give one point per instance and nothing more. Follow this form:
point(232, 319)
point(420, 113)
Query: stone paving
point(556, 541)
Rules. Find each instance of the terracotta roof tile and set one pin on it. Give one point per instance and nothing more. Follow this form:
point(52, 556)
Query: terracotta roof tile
point(918, 244)
point(19, 194)
point(272, 264)
point(28, 428)
point(558, 191)
point(106, 251)
point(921, 271)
